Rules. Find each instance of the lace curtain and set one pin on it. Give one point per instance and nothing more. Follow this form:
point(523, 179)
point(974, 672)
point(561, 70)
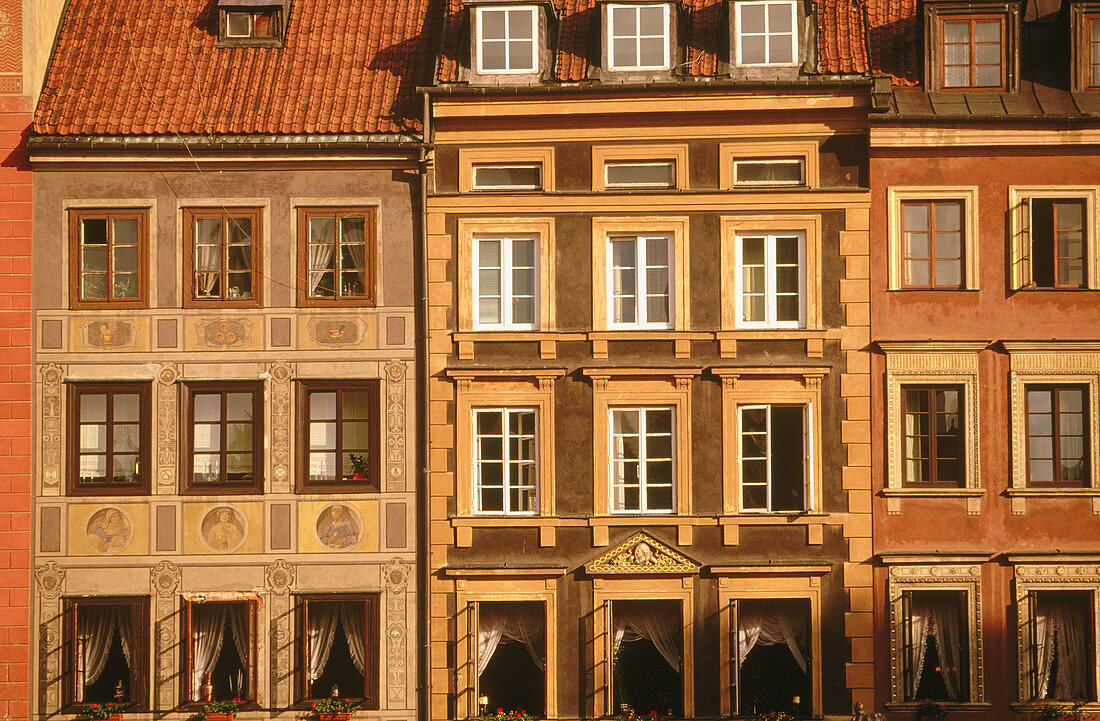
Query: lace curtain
point(940, 618)
point(323, 618)
point(207, 632)
point(508, 623)
point(660, 623)
point(1061, 629)
point(96, 627)
point(771, 628)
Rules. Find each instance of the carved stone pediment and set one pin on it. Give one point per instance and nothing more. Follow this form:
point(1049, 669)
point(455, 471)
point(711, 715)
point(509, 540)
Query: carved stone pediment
point(641, 554)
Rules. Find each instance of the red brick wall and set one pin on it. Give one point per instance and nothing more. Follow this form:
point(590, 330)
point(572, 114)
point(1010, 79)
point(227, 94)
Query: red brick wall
point(15, 407)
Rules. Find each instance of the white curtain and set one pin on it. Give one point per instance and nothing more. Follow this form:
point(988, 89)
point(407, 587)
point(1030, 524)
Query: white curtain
point(660, 623)
point(237, 617)
point(207, 628)
point(209, 259)
point(777, 626)
point(321, 632)
point(1060, 624)
point(96, 627)
point(940, 616)
point(355, 630)
point(505, 623)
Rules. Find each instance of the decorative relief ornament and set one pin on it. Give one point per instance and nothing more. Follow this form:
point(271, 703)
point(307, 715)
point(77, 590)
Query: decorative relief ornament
point(641, 553)
point(339, 527)
point(223, 332)
point(164, 578)
point(109, 530)
point(335, 331)
point(223, 529)
point(280, 577)
point(51, 580)
point(395, 574)
point(108, 334)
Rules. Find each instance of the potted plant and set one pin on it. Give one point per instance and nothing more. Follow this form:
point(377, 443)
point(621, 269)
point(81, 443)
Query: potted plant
point(629, 714)
point(102, 712)
point(502, 715)
point(929, 710)
point(221, 710)
point(334, 708)
point(1055, 712)
point(360, 469)
point(775, 716)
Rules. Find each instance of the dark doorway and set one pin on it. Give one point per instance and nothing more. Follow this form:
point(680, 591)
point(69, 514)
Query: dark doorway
point(230, 676)
point(770, 675)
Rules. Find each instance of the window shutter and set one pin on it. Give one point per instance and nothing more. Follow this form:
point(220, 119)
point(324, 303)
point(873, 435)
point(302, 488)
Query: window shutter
point(735, 658)
point(473, 613)
point(1031, 659)
point(907, 641)
point(251, 675)
point(1021, 244)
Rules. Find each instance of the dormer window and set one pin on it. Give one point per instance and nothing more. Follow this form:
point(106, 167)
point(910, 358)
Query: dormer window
point(972, 45)
point(766, 33)
point(1094, 51)
point(506, 39)
point(247, 22)
point(638, 37)
point(1085, 19)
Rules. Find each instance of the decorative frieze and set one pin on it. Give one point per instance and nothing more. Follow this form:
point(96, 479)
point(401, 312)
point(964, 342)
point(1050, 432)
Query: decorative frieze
point(281, 376)
point(395, 425)
point(167, 404)
point(53, 377)
point(395, 575)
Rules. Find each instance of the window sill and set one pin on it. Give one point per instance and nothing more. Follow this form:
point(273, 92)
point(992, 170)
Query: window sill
point(911, 706)
point(1075, 492)
point(1036, 706)
point(933, 492)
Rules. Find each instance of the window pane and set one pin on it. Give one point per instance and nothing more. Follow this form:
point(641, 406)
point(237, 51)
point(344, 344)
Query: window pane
point(917, 273)
point(520, 24)
point(493, 55)
point(651, 20)
point(956, 32)
point(915, 216)
point(127, 437)
point(524, 177)
point(237, 25)
point(521, 55)
point(238, 406)
point(624, 52)
point(779, 18)
point(987, 31)
point(493, 24)
point(206, 437)
point(948, 273)
point(753, 50)
point(652, 52)
point(239, 437)
point(93, 407)
point(658, 175)
point(207, 406)
point(777, 172)
point(987, 76)
point(956, 77)
point(752, 18)
point(93, 438)
point(781, 49)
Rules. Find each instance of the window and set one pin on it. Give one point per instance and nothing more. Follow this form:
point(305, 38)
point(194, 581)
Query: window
point(506, 40)
point(766, 33)
point(642, 460)
point(506, 458)
point(219, 649)
point(933, 244)
point(775, 458)
point(108, 251)
point(1062, 633)
point(772, 653)
point(639, 292)
point(780, 171)
point(107, 640)
point(638, 37)
point(511, 660)
point(932, 236)
point(1093, 51)
point(506, 281)
point(1057, 449)
point(640, 174)
point(250, 25)
point(109, 438)
point(336, 255)
point(340, 429)
point(223, 256)
point(648, 649)
point(225, 437)
point(1058, 239)
point(498, 176)
point(770, 280)
point(933, 440)
point(972, 52)
point(936, 645)
point(338, 647)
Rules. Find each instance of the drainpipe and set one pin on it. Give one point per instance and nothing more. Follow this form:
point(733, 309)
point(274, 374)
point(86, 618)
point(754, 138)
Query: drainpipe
point(423, 506)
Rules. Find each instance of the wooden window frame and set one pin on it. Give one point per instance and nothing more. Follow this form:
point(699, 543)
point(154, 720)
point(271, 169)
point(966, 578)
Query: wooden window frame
point(643, 459)
point(1090, 609)
point(145, 422)
point(254, 486)
point(190, 216)
point(251, 39)
point(609, 38)
point(795, 45)
point(1020, 202)
point(533, 10)
point(1086, 412)
point(373, 389)
point(730, 153)
point(941, 52)
point(139, 657)
point(932, 257)
point(506, 460)
point(76, 218)
point(370, 601)
point(906, 601)
point(933, 457)
point(896, 197)
point(251, 663)
point(370, 252)
point(1090, 52)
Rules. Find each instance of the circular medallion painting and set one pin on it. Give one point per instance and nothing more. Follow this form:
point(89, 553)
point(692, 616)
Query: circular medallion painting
point(223, 529)
point(339, 527)
point(109, 530)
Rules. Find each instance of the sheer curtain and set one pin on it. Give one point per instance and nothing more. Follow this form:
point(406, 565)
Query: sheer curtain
point(321, 250)
point(940, 616)
point(777, 626)
point(237, 617)
point(321, 632)
point(918, 635)
point(1060, 624)
point(660, 623)
point(209, 264)
point(207, 628)
point(96, 627)
point(504, 623)
point(355, 629)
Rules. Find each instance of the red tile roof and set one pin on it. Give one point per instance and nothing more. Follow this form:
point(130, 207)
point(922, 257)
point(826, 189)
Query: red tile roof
point(149, 67)
point(892, 39)
point(840, 45)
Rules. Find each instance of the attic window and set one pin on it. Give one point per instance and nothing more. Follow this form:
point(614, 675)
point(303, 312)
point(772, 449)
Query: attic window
point(638, 37)
point(506, 39)
point(249, 24)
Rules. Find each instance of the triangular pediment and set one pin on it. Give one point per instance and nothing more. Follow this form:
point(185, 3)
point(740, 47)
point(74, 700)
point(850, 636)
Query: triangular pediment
point(641, 554)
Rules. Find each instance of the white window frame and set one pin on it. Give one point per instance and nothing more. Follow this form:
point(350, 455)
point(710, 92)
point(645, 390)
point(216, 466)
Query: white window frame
point(610, 36)
point(507, 240)
point(643, 457)
point(507, 10)
point(800, 162)
point(506, 460)
point(770, 305)
point(229, 34)
point(807, 459)
point(767, 35)
point(474, 185)
point(671, 163)
point(641, 308)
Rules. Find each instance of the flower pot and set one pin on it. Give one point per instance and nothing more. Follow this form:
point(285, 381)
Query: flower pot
point(339, 716)
point(115, 717)
point(218, 716)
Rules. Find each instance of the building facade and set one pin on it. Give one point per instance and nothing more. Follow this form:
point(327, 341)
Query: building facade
point(649, 407)
point(984, 180)
point(225, 383)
